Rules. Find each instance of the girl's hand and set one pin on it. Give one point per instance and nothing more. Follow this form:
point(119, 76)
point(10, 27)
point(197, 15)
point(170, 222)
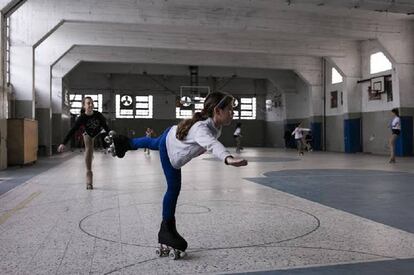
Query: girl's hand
point(61, 148)
point(237, 162)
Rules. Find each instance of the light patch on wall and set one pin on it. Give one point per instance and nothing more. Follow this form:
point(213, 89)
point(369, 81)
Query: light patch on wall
point(336, 77)
point(379, 63)
point(143, 106)
point(128, 106)
point(247, 108)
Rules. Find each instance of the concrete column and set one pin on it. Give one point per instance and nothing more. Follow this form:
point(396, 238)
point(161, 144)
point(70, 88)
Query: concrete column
point(21, 77)
point(402, 54)
point(316, 101)
point(43, 113)
point(405, 142)
point(3, 102)
point(345, 120)
point(275, 115)
point(316, 116)
point(57, 101)
point(313, 78)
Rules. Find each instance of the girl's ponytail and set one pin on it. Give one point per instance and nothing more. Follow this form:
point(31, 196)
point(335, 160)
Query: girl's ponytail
point(184, 126)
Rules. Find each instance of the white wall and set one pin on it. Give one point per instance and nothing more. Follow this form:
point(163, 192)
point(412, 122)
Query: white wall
point(339, 87)
point(297, 101)
point(368, 48)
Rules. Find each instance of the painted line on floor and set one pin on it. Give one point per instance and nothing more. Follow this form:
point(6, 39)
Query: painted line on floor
point(20, 206)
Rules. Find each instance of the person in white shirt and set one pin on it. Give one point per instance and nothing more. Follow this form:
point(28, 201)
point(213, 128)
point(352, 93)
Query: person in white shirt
point(177, 146)
point(299, 136)
point(395, 132)
point(237, 137)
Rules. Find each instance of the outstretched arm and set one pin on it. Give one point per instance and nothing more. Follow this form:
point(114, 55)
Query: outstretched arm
point(205, 139)
point(75, 127)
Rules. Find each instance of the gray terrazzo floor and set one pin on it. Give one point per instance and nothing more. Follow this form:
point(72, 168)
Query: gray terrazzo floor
point(281, 213)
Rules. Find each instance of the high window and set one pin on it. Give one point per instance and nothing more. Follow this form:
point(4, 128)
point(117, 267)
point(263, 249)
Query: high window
point(379, 63)
point(336, 77)
point(129, 106)
point(245, 108)
point(188, 107)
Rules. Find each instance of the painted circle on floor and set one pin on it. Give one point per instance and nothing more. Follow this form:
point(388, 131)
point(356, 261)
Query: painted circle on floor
point(259, 159)
point(207, 225)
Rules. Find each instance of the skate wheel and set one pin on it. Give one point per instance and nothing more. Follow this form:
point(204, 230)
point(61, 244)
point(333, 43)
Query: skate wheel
point(162, 251)
point(158, 252)
point(183, 254)
point(174, 255)
point(108, 139)
point(111, 151)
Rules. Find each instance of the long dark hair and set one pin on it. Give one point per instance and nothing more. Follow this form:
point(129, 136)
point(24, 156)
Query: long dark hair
point(213, 100)
point(396, 112)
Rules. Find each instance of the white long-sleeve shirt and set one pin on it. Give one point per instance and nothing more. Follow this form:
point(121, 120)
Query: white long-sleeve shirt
point(298, 132)
point(237, 132)
point(202, 137)
point(396, 123)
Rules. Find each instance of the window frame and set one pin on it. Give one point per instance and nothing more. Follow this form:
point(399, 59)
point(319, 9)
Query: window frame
point(137, 106)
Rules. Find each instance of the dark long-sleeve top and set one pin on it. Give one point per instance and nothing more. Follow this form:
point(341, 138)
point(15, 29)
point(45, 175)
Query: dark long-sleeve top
point(93, 125)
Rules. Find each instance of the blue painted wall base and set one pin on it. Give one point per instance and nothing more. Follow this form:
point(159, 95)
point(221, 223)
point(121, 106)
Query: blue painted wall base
point(290, 128)
point(404, 144)
point(352, 135)
point(316, 128)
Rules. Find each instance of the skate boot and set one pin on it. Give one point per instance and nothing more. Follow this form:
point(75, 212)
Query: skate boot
point(119, 144)
point(89, 180)
point(171, 243)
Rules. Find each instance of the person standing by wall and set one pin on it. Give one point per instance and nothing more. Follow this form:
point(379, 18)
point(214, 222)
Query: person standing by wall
point(395, 132)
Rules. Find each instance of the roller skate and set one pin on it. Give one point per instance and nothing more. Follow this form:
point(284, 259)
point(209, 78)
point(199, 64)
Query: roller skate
point(171, 243)
point(119, 144)
point(89, 180)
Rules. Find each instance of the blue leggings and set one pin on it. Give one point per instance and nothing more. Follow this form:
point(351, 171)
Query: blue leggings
point(172, 175)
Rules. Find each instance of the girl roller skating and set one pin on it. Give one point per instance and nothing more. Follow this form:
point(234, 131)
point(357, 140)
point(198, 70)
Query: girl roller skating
point(93, 122)
point(177, 146)
point(299, 138)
